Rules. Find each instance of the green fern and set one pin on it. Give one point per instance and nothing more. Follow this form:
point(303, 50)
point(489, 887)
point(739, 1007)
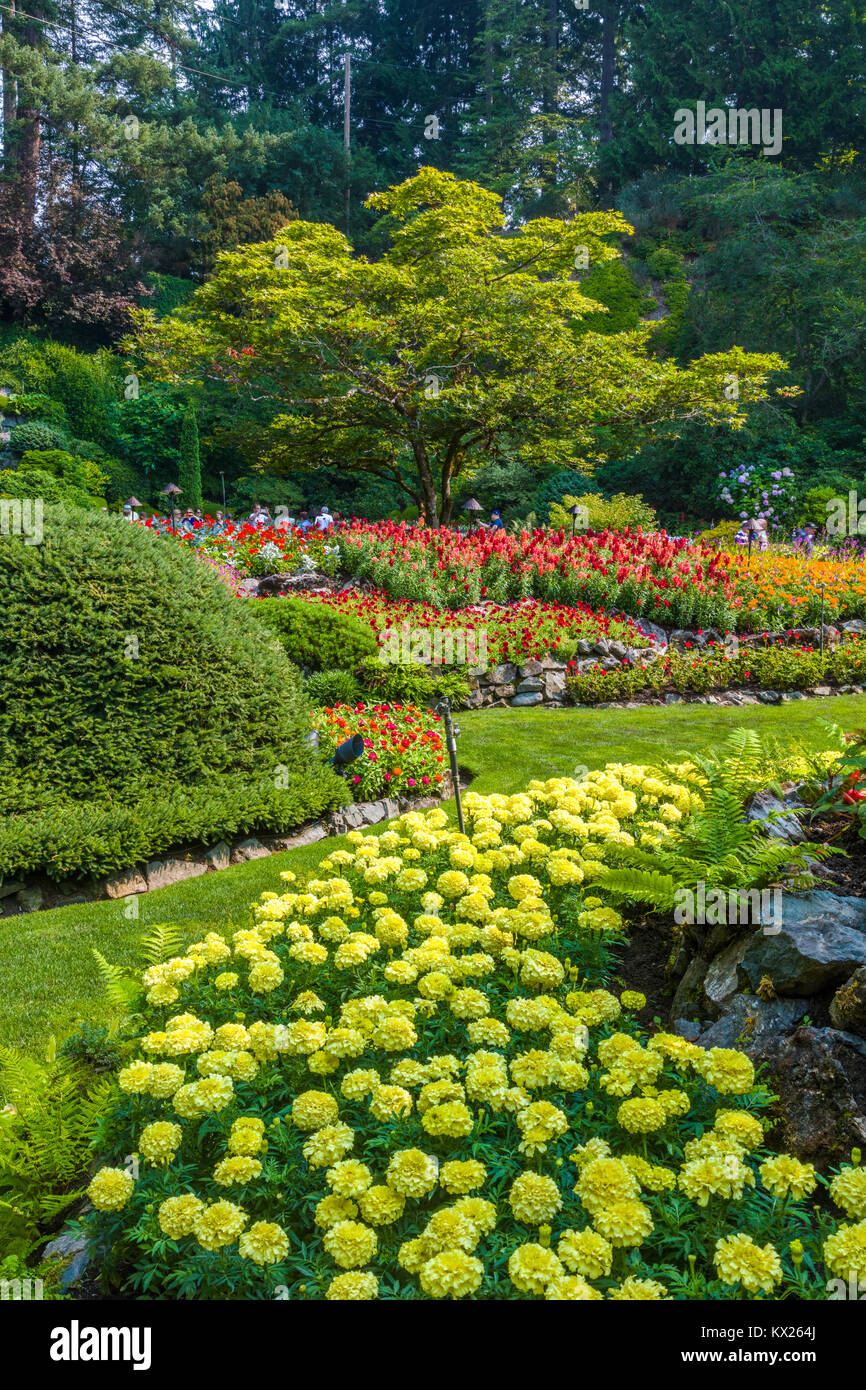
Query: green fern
point(121, 990)
point(163, 942)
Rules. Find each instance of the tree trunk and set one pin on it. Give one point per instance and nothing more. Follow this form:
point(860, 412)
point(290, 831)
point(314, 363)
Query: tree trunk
point(428, 487)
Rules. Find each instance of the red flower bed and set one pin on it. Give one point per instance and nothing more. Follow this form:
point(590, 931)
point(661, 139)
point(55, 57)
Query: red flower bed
point(404, 750)
point(677, 582)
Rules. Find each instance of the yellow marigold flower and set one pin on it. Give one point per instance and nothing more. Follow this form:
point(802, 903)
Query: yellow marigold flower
point(158, 1142)
point(205, 1097)
point(534, 1199)
point(481, 1213)
point(740, 1261)
point(333, 930)
point(539, 1123)
point(585, 1252)
point(469, 1004)
point(450, 1229)
point(452, 884)
point(360, 1083)
point(135, 1079)
point(571, 1287)
point(412, 1173)
point(226, 980)
point(350, 1243)
point(177, 1215)
point(451, 1274)
point(783, 1175)
point(522, 886)
point(394, 1034)
point(624, 1223)
point(845, 1251)
point(400, 972)
point(652, 1177)
point(356, 1286)
point(110, 1189)
point(531, 1268)
point(635, 1288)
point(246, 1137)
point(729, 1071)
point(313, 1110)
point(489, 1032)
point(409, 1073)
point(715, 1176)
point(328, 1145)
point(264, 976)
point(453, 1120)
point(332, 1209)
point(381, 1205)
point(436, 985)
point(349, 1178)
point(265, 1243)
point(611, 1051)
point(165, 1079)
point(587, 1153)
point(219, 1224)
point(413, 1254)
point(643, 1115)
point(604, 1181)
point(439, 1093)
point(848, 1190)
point(302, 1038)
point(390, 1103)
point(344, 1042)
point(231, 1172)
point(541, 970)
point(460, 1176)
point(162, 993)
point(594, 1006)
point(739, 1125)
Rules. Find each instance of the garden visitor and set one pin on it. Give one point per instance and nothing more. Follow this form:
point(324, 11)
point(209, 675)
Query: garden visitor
point(804, 537)
point(324, 519)
point(257, 516)
point(304, 522)
point(496, 522)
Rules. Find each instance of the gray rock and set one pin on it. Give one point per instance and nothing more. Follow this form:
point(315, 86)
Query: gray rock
point(504, 692)
point(848, 1008)
point(788, 695)
point(373, 812)
point(618, 649)
point(30, 899)
point(549, 663)
point(777, 819)
point(740, 697)
point(750, 1021)
point(854, 625)
point(121, 885)
point(162, 872)
point(822, 941)
point(769, 697)
point(652, 630)
point(12, 885)
point(530, 698)
point(310, 836)
point(530, 668)
point(721, 980)
point(601, 647)
point(249, 849)
point(554, 684)
point(583, 647)
point(219, 855)
point(820, 1078)
point(688, 999)
point(674, 700)
point(530, 685)
point(822, 691)
point(681, 638)
point(685, 1029)
point(502, 675)
point(72, 1248)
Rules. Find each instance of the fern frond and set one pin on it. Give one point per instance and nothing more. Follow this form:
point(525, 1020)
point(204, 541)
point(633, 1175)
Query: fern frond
point(120, 989)
point(163, 942)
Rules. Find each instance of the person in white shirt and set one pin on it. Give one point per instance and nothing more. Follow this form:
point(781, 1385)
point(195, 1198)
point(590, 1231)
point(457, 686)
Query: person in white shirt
point(324, 519)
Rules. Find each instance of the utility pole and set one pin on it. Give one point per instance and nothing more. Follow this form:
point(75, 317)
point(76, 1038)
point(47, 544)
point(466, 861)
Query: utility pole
point(347, 116)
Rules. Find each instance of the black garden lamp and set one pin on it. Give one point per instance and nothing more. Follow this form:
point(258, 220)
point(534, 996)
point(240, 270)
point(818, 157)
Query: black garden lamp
point(574, 512)
point(347, 753)
point(170, 491)
point(451, 732)
point(473, 506)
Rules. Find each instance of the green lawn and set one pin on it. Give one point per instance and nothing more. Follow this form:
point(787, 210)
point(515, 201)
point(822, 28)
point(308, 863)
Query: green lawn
point(49, 979)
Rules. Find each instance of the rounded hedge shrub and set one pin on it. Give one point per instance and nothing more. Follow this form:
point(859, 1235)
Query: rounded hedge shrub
point(333, 688)
point(36, 434)
point(127, 664)
point(317, 636)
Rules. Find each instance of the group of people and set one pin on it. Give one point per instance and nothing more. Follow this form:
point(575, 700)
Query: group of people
point(322, 521)
point(754, 533)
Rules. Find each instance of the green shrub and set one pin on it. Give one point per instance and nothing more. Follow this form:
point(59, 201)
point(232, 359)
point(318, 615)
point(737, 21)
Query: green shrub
point(398, 683)
point(36, 434)
point(123, 480)
point(143, 704)
point(616, 514)
point(333, 688)
point(37, 483)
point(36, 405)
point(79, 472)
point(317, 636)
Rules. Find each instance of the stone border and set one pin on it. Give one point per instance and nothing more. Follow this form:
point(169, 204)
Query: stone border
point(42, 895)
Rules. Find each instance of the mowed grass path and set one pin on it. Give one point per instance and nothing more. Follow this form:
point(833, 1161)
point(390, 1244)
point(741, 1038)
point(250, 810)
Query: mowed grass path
point(48, 977)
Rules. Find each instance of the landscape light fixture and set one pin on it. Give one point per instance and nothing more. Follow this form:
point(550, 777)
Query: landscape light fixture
point(347, 752)
point(472, 506)
point(451, 732)
point(170, 491)
point(574, 513)
point(132, 503)
point(823, 589)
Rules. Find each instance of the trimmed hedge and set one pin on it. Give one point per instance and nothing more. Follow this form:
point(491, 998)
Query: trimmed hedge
point(141, 704)
point(317, 636)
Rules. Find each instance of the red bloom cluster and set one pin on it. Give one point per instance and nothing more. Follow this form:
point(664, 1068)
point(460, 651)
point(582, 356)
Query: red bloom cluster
point(403, 748)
